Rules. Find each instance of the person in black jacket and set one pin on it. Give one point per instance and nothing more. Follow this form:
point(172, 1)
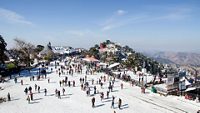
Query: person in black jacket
point(119, 103)
point(8, 97)
point(93, 101)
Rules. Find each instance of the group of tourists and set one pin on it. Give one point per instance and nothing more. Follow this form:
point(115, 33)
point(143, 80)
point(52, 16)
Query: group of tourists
point(89, 85)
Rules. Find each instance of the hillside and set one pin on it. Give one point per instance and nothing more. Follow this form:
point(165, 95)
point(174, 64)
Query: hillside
point(179, 58)
point(111, 52)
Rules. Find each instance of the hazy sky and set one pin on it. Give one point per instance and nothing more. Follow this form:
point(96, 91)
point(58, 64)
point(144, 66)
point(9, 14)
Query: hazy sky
point(172, 25)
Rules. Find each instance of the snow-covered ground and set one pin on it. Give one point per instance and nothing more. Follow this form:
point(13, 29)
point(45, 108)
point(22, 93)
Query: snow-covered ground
point(76, 101)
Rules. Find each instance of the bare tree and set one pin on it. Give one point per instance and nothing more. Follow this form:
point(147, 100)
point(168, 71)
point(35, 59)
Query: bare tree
point(25, 51)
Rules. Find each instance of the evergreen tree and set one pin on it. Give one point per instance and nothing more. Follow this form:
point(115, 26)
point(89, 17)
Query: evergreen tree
point(3, 45)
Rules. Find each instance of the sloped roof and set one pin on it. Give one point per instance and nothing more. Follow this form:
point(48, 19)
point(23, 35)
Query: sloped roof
point(90, 59)
point(47, 49)
point(113, 65)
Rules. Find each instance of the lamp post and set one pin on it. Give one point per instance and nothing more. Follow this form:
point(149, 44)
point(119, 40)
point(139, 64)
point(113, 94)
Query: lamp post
point(195, 80)
point(180, 84)
point(181, 87)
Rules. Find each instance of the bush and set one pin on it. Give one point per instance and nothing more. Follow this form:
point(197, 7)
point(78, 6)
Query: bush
point(10, 66)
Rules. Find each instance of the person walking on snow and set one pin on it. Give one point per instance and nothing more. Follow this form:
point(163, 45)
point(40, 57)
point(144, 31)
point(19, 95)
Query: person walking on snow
point(102, 96)
point(15, 79)
point(73, 83)
point(28, 99)
point(8, 97)
point(119, 103)
point(122, 85)
point(63, 90)
point(69, 83)
point(21, 82)
point(111, 88)
point(93, 102)
point(113, 102)
point(45, 92)
point(59, 95)
point(81, 86)
point(107, 94)
point(95, 89)
point(38, 89)
point(104, 78)
point(35, 87)
point(26, 90)
point(30, 89)
point(60, 82)
point(31, 95)
point(101, 85)
point(33, 78)
point(56, 92)
point(59, 73)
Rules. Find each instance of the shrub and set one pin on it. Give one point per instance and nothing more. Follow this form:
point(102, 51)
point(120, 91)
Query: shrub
point(10, 66)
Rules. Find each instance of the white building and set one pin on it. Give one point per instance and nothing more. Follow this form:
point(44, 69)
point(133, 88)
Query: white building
point(109, 48)
point(63, 49)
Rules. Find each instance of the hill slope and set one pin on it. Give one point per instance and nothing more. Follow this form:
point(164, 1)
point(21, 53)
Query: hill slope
point(180, 58)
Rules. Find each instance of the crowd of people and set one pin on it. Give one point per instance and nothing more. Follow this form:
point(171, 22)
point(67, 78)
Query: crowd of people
point(96, 88)
point(90, 86)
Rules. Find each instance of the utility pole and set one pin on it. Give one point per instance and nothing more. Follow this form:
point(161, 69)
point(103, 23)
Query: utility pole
point(195, 80)
point(197, 84)
point(196, 73)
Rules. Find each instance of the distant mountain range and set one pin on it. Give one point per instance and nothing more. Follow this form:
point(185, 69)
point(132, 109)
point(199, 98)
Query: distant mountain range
point(178, 58)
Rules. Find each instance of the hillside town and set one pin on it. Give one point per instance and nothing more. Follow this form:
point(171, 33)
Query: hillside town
point(105, 65)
